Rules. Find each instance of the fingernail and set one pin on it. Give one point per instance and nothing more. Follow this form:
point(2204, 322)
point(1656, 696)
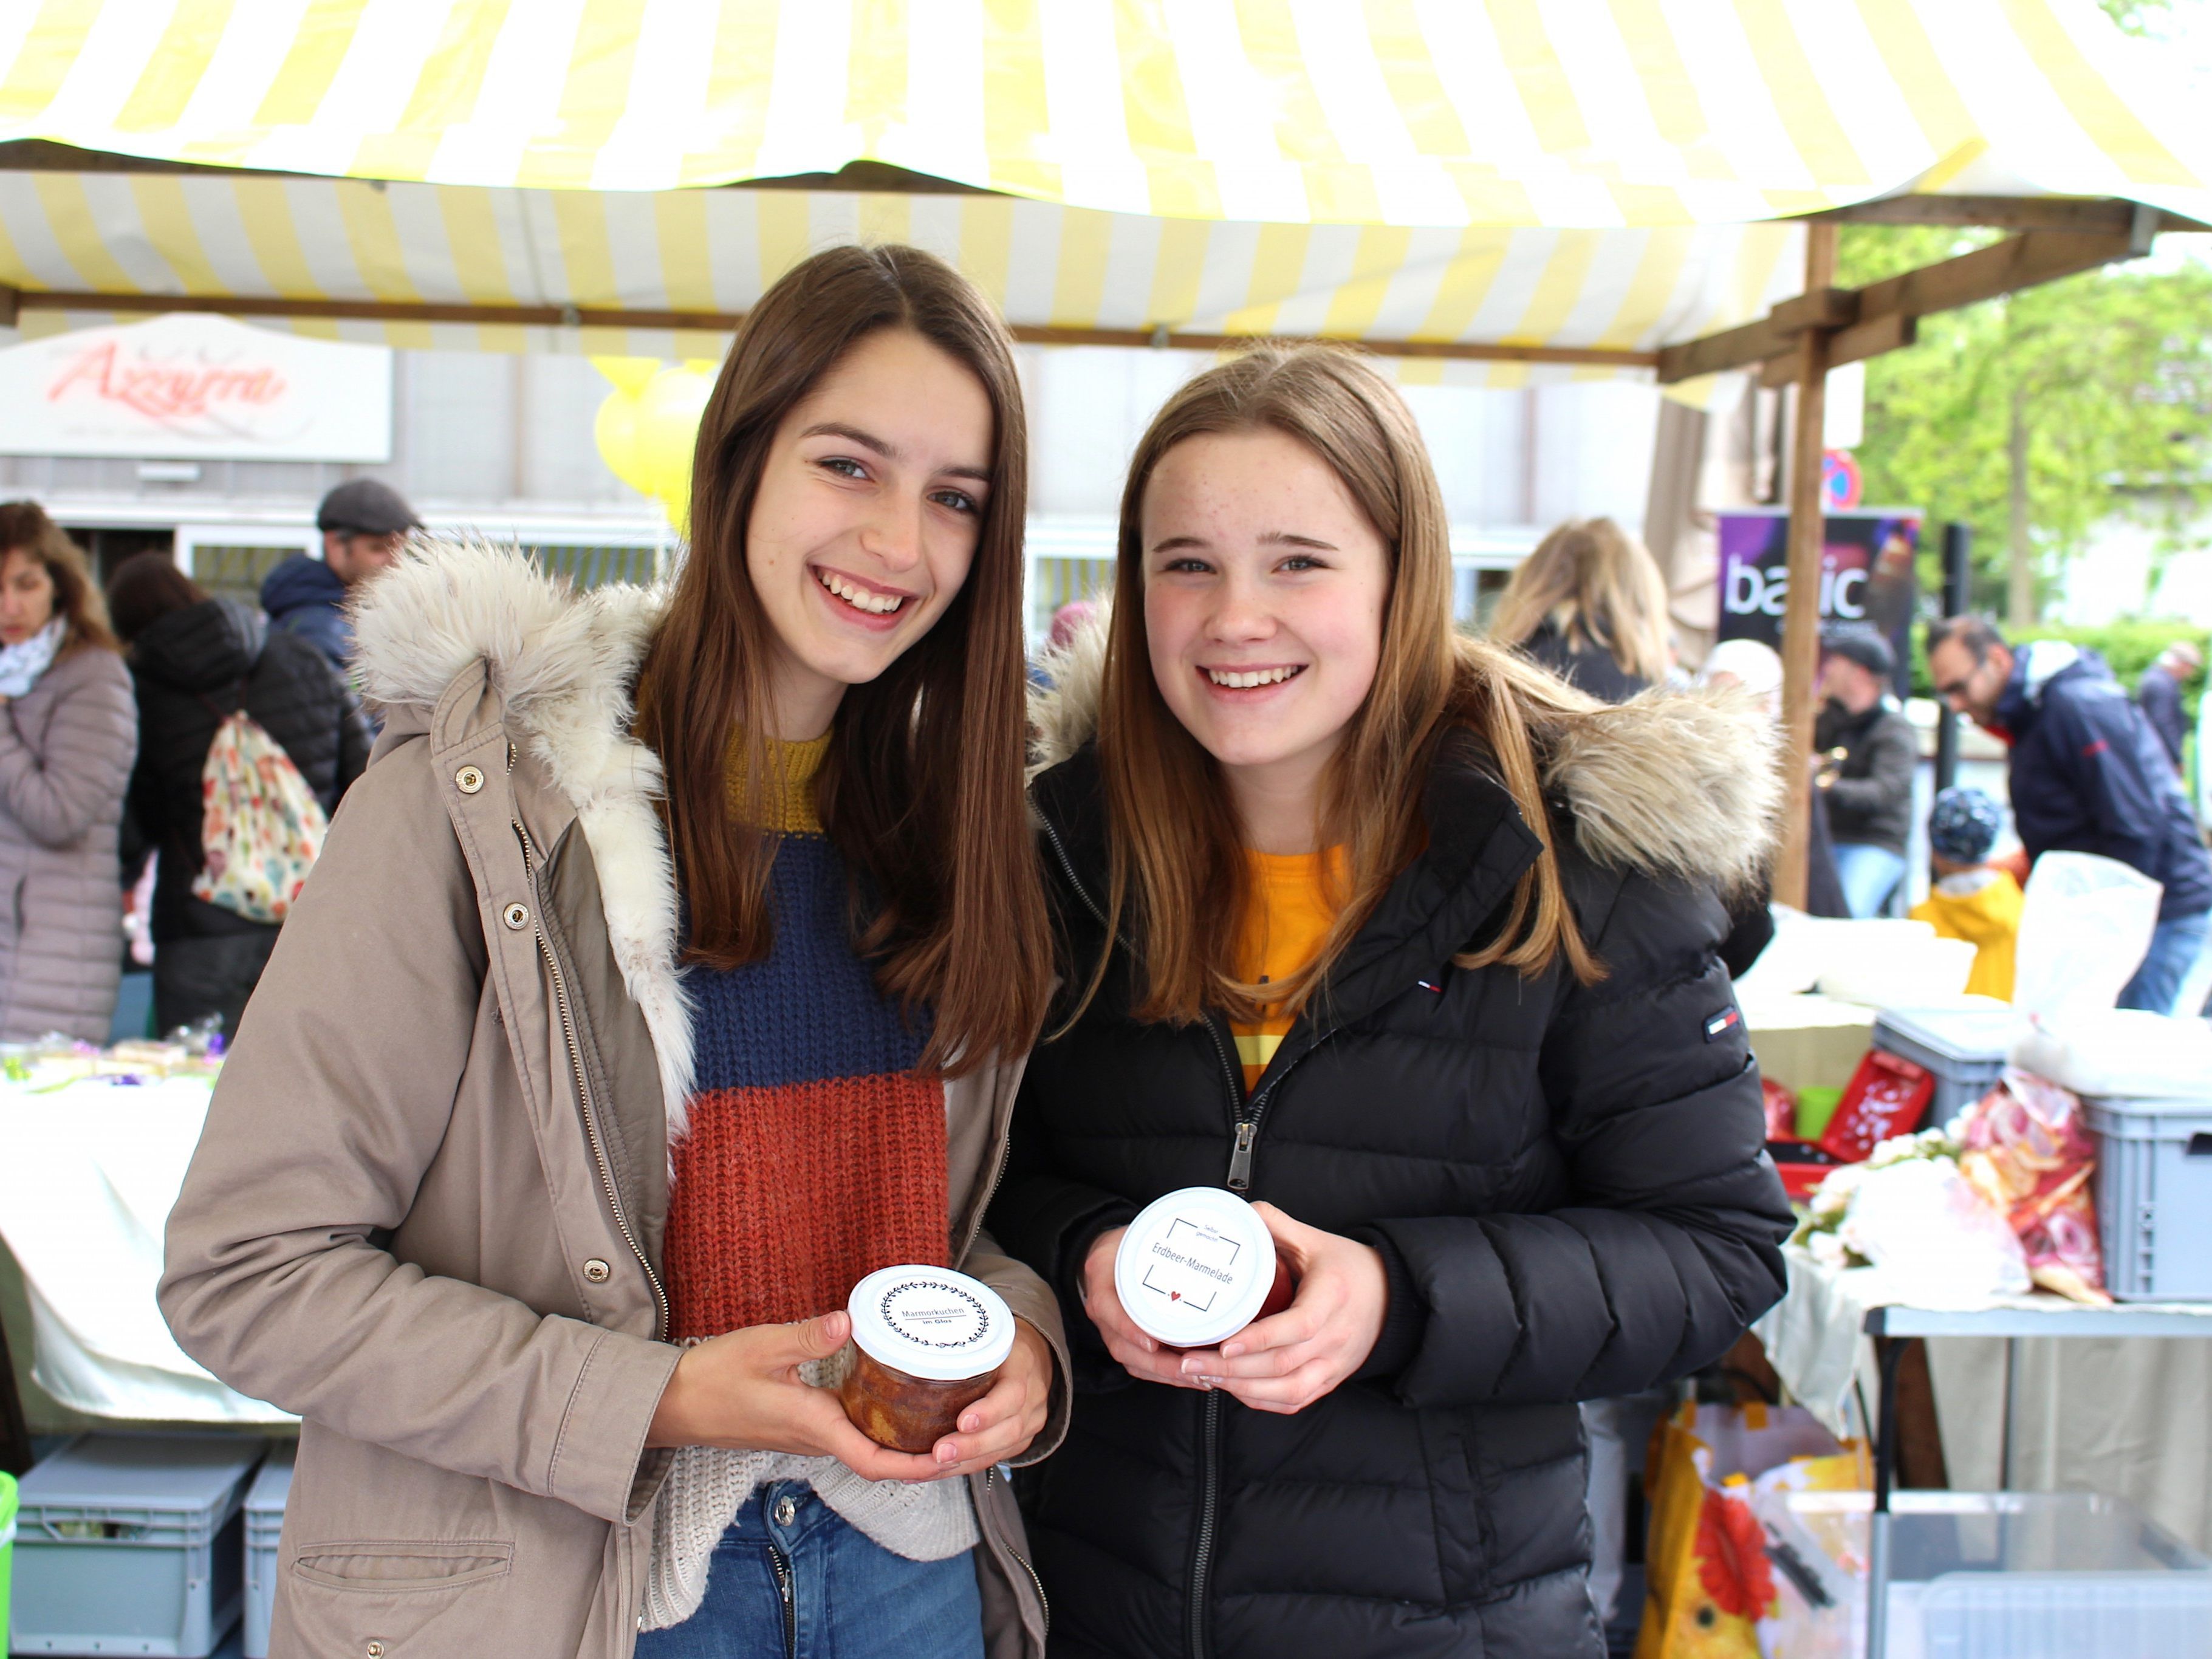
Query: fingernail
point(948, 1454)
point(969, 1425)
point(1230, 1350)
point(1213, 1381)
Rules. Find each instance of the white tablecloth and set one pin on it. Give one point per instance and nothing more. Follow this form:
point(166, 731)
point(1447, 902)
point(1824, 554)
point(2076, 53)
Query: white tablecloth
point(90, 1171)
point(2131, 1416)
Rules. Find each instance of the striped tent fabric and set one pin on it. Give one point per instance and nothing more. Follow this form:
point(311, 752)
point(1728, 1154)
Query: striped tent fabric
point(1561, 113)
point(210, 236)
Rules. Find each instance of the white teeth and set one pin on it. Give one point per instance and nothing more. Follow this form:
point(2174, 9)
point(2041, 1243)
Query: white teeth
point(879, 605)
point(1244, 682)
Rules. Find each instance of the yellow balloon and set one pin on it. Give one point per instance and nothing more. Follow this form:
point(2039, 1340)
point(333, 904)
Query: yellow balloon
point(628, 374)
point(614, 429)
point(668, 413)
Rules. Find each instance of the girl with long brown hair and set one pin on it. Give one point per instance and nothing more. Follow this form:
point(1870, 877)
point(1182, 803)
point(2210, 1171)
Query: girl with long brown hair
point(668, 972)
point(1397, 936)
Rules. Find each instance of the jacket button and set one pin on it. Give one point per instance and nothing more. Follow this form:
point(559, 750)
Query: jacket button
point(468, 780)
point(515, 915)
point(597, 1271)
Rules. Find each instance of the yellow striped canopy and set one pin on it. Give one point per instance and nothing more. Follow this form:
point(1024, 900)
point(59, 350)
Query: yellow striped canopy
point(223, 236)
point(1450, 113)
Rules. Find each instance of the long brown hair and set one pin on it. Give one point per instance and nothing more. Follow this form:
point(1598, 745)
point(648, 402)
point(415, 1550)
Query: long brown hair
point(1597, 585)
point(1177, 868)
point(921, 790)
point(25, 528)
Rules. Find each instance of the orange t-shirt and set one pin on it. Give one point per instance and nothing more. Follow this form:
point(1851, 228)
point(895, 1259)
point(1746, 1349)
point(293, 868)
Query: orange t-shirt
point(1295, 897)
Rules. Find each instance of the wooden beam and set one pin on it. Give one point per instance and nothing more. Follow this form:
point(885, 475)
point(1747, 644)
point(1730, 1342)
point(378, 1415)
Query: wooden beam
point(1823, 307)
point(2018, 262)
point(721, 322)
point(1848, 345)
point(1801, 614)
point(2075, 213)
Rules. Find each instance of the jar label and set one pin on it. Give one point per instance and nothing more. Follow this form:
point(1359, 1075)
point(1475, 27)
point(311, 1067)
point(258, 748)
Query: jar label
point(1192, 1264)
point(935, 1314)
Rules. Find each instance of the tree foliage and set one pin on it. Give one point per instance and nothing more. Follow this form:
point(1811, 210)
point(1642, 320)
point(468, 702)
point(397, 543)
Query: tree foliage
point(2110, 372)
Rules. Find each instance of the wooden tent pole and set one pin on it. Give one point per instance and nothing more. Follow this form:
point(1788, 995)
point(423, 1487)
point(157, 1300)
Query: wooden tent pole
point(1801, 616)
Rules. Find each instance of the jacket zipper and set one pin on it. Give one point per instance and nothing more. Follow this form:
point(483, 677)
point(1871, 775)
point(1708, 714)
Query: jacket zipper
point(1044, 1601)
point(780, 1564)
point(1244, 1134)
point(584, 1092)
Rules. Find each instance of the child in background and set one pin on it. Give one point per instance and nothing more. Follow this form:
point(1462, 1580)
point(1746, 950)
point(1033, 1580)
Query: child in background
point(1974, 899)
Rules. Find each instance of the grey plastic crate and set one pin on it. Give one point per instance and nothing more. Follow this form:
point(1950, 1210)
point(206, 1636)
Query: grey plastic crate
point(1964, 1048)
point(264, 1530)
point(2154, 1197)
point(132, 1544)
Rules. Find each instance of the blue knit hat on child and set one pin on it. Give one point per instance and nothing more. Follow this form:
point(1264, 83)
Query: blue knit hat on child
point(1963, 825)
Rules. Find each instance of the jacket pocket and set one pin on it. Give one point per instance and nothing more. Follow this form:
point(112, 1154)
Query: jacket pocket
point(385, 1566)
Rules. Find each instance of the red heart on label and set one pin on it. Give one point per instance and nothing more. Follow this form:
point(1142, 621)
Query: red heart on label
point(1175, 1296)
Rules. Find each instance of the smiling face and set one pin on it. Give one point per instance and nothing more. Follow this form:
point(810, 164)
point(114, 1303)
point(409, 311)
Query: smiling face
point(870, 505)
point(27, 595)
point(1265, 587)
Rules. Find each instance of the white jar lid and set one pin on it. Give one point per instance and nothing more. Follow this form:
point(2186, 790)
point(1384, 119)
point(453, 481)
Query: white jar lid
point(931, 1322)
point(1194, 1266)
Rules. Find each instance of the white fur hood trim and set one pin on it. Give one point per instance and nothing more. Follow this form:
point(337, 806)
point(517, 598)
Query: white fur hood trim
point(564, 663)
point(1684, 784)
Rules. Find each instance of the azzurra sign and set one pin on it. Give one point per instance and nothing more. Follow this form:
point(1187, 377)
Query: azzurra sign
point(193, 388)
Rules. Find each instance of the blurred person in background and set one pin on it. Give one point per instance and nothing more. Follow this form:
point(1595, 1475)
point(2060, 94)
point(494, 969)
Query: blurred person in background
point(195, 660)
point(1756, 667)
point(1973, 899)
point(2087, 775)
point(364, 526)
point(67, 733)
point(2158, 694)
point(1867, 752)
point(1588, 604)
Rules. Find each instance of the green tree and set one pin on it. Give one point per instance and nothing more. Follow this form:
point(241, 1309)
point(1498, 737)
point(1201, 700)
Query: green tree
point(2033, 417)
point(2135, 16)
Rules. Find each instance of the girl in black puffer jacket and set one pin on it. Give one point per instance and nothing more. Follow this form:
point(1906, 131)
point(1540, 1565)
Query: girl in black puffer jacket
point(1414, 947)
point(195, 661)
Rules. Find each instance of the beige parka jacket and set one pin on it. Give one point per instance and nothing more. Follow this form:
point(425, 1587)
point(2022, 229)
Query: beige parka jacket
point(426, 1212)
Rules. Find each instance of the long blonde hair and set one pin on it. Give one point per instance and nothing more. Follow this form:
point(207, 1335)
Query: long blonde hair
point(1597, 585)
point(1177, 869)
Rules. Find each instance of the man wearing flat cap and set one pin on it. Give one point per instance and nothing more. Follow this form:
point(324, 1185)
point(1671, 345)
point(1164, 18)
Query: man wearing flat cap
point(364, 526)
point(1866, 753)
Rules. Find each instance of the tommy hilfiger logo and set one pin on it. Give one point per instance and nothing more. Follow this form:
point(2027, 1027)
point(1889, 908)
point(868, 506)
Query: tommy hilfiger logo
point(1722, 1023)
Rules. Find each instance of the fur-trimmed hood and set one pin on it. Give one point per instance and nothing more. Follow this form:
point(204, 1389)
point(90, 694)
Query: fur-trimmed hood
point(1682, 784)
point(564, 664)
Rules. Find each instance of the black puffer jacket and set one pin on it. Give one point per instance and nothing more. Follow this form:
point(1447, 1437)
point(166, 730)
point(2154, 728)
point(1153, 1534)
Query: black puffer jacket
point(1568, 1187)
point(191, 667)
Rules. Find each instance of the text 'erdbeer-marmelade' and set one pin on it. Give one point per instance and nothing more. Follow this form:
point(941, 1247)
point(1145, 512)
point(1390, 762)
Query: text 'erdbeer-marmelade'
point(929, 1343)
point(1197, 1266)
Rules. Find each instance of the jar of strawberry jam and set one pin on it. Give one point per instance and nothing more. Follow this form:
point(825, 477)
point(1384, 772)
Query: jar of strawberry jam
point(1197, 1266)
point(928, 1344)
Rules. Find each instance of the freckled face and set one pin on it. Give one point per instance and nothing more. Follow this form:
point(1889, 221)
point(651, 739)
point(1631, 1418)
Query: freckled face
point(1265, 587)
point(867, 517)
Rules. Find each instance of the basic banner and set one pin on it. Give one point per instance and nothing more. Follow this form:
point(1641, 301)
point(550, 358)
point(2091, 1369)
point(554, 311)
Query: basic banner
point(1866, 573)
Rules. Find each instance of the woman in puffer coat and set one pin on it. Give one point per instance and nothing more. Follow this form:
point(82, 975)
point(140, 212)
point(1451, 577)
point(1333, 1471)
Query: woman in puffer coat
point(195, 661)
point(1413, 946)
point(67, 733)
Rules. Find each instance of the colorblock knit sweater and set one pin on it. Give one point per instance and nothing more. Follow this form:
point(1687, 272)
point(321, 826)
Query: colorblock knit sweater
point(815, 1155)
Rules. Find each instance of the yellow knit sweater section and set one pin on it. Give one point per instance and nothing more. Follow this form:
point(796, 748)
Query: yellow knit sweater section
point(792, 767)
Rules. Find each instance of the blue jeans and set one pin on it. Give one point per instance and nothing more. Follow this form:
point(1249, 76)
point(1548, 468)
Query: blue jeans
point(849, 1597)
point(1869, 875)
point(2174, 947)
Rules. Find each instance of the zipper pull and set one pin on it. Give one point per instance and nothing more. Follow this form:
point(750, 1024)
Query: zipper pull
point(1240, 1160)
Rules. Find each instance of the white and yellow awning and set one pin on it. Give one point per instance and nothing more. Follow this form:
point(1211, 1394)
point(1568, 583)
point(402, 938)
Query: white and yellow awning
point(1579, 113)
point(649, 274)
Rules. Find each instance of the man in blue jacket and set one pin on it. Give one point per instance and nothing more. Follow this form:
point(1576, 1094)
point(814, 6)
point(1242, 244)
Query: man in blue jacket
point(2087, 774)
point(364, 526)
